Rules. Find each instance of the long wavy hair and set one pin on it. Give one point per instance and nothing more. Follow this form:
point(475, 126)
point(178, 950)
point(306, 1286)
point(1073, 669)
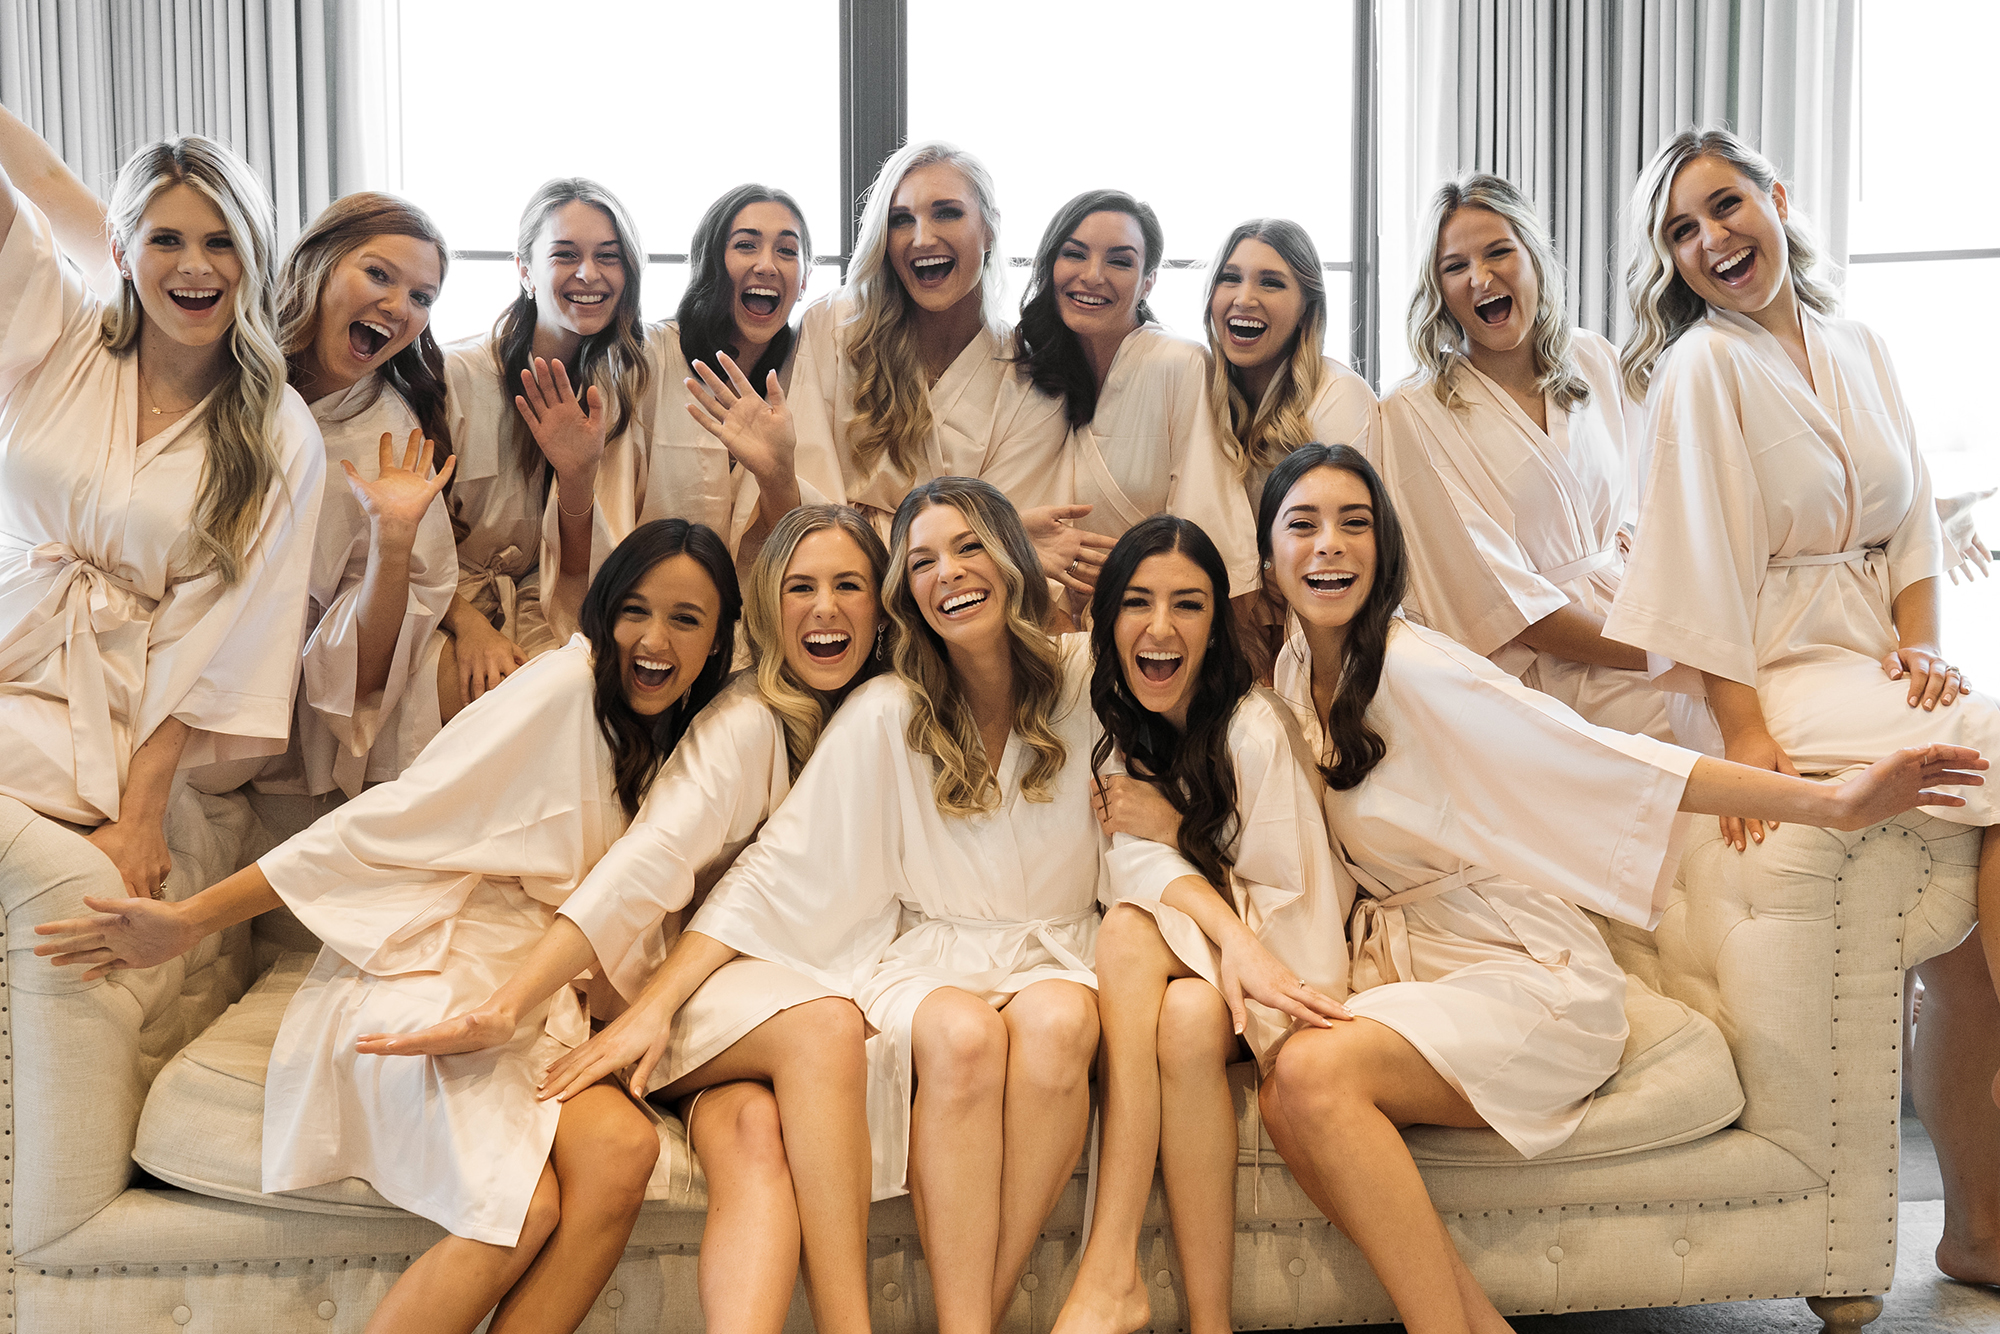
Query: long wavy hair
point(616, 353)
point(344, 226)
point(1357, 747)
point(1259, 435)
point(892, 401)
point(241, 418)
point(1192, 769)
point(941, 721)
point(1663, 306)
point(803, 710)
point(707, 313)
point(1438, 340)
point(640, 745)
point(1050, 355)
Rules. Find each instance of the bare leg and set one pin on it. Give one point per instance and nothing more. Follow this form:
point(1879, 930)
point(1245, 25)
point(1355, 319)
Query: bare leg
point(1958, 1048)
point(959, 1046)
point(1988, 927)
point(603, 1156)
point(812, 1057)
point(451, 695)
point(1198, 1146)
point(1134, 967)
point(1334, 1102)
point(455, 1283)
point(1051, 1040)
point(750, 1242)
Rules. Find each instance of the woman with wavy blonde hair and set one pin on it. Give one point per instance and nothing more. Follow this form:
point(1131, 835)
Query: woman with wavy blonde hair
point(1508, 458)
point(159, 485)
point(1788, 565)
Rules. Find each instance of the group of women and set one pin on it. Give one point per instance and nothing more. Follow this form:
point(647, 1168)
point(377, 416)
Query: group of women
point(994, 794)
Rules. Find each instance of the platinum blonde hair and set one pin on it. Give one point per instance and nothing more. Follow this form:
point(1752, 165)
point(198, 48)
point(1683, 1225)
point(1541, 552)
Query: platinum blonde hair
point(1663, 306)
point(1438, 340)
point(242, 414)
point(1260, 434)
point(892, 402)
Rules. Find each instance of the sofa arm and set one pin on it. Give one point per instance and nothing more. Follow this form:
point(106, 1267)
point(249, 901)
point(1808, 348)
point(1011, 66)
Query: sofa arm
point(1796, 949)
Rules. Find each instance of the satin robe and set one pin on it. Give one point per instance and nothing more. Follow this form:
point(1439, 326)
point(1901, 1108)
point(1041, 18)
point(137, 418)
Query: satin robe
point(1781, 520)
point(1343, 412)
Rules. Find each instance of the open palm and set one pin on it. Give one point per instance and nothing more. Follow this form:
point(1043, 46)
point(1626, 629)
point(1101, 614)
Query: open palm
point(755, 429)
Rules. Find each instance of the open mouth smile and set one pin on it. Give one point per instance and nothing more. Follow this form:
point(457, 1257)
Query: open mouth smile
point(196, 299)
point(1329, 583)
point(1158, 665)
point(932, 270)
point(366, 338)
point(963, 603)
point(1088, 300)
point(828, 645)
point(1737, 268)
point(761, 301)
point(1494, 310)
point(587, 298)
point(1243, 330)
point(650, 674)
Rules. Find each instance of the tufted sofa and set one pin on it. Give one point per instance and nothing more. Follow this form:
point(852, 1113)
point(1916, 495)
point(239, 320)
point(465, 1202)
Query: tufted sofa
point(1746, 1148)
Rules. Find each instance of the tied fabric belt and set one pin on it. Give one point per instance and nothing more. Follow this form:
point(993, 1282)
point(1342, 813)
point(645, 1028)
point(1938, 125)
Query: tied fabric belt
point(1576, 569)
point(83, 601)
point(1854, 557)
point(1042, 929)
point(494, 573)
point(1376, 933)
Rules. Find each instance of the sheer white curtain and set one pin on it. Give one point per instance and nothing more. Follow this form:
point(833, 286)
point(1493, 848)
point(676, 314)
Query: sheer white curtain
point(298, 87)
point(1569, 99)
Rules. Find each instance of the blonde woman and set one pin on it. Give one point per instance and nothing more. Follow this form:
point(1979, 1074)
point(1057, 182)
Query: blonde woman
point(1272, 384)
point(571, 349)
point(1788, 563)
point(905, 374)
point(764, 1064)
point(159, 486)
point(1509, 460)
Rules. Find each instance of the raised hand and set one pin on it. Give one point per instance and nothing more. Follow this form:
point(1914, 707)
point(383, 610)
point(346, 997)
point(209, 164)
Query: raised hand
point(396, 501)
point(1961, 539)
point(756, 430)
point(475, 1030)
point(1905, 780)
point(1070, 555)
point(124, 933)
point(569, 430)
point(1249, 969)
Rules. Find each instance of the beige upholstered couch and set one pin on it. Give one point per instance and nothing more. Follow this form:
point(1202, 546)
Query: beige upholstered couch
point(1695, 1177)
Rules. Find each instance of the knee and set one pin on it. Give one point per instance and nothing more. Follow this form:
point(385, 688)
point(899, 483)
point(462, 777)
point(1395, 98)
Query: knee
point(623, 1153)
point(1127, 938)
point(1316, 1076)
point(831, 1029)
point(965, 1053)
point(1054, 1035)
point(1195, 1031)
point(743, 1134)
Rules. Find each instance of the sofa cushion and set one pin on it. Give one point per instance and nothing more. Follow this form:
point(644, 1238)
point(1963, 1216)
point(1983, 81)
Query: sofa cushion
point(203, 1124)
point(1676, 1082)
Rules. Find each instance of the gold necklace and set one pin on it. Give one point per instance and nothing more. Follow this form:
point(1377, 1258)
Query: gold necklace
point(147, 391)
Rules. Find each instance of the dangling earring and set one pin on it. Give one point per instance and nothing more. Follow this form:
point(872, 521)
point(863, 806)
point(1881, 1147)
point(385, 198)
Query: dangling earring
point(881, 643)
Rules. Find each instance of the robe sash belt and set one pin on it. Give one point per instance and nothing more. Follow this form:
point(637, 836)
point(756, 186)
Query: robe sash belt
point(1378, 941)
point(83, 601)
point(1576, 569)
point(1042, 929)
point(1855, 557)
point(496, 573)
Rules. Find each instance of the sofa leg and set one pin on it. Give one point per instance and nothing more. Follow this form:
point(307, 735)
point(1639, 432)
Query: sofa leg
point(1845, 1315)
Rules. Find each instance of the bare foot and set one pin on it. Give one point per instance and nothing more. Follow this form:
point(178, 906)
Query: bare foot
point(1969, 1262)
point(1091, 1309)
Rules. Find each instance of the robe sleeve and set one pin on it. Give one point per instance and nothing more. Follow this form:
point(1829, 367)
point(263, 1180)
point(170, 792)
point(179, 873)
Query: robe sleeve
point(817, 459)
point(225, 660)
point(820, 890)
point(517, 786)
point(1204, 487)
point(1916, 550)
point(1689, 594)
point(713, 793)
point(1345, 412)
point(44, 300)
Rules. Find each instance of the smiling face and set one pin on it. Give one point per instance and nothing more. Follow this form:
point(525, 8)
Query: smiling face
point(956, 583)
point(665, 630)
point(937, 238)
point(1727, 236)
point(766, 274)
point(184, 267)
point(1488, 280)
point(828, 610)
point(376, 301)
point(1256, 306)
point(1323, 548)
point(1165, 617)
point(1099, 275)
point(576, 270)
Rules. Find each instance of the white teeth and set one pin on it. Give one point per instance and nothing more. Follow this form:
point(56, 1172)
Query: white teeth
point(760, 291)
point(587, 298)
point(1329, 579)
point(957, 601)
point(930, 261)
point(1087, 299)
point(1155, 655)
point(1250, 327)
point(1489, 300)
point(195, 292)
point(378, 328)
point(827, 637)
point(1733, 261)
point(652, 666)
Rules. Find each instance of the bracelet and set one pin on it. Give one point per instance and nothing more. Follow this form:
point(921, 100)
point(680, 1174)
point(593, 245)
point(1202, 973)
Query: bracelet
point(566, 513)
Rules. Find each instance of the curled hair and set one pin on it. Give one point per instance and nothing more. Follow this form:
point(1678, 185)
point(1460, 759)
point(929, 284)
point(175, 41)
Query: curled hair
point(1438, 340)
point(892, 401)
point(1051, 355)
point(707, 313)
point(344, 226)
point(1258, 435)
point(1192, 769)
point(1663, 306)
point(1357, 747)
point(617, 351)
point(941, 721)
point(241, 418)
point(640, 745)
point(802, 710)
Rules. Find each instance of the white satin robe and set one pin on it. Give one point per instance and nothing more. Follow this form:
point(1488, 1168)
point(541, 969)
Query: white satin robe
point(428, 893)
point(1781, 520)
point(1154, 446)
point(987, 422)
point(862, 884)
point(338, 740)
point(1507, 523)
point(111, 622)
point(1284, 883)
point(1343, 412)
point(1495, 810)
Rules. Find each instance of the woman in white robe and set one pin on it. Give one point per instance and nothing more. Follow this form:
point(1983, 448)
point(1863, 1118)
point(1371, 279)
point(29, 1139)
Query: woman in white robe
point(524, 440)
point(1476, 815)
point(426, 902)
point(1507, 458)
point(1228, 919)
point(1143, 434)
point(770, 1082)
point(1788, 564)
point(159, 487)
